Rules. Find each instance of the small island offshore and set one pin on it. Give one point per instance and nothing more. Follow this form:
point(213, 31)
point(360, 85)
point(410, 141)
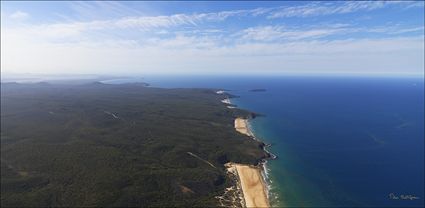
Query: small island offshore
point(126, 145)
point(258, 90)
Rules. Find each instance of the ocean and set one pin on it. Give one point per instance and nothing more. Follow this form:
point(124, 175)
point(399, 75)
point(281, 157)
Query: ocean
point(340, 141)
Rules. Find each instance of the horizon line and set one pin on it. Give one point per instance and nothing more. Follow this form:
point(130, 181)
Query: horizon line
point(5, 75)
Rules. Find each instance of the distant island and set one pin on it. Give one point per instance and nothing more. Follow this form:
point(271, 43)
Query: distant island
point(125, 145)
point(258, 90)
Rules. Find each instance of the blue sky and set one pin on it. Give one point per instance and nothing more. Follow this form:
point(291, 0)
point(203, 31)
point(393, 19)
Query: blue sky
point(213, 37)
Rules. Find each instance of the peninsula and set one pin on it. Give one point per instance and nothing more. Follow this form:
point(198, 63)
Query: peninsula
point(122, 145)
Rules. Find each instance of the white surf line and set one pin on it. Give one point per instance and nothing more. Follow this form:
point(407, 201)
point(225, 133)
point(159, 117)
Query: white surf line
point(196, 156)
point(109, 113)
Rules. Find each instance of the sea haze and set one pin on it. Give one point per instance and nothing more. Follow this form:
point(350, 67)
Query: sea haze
point(341, 141)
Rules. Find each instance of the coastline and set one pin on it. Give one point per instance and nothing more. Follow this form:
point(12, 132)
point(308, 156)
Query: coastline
point(252, 180)
point(242, 126)
point(251, 186)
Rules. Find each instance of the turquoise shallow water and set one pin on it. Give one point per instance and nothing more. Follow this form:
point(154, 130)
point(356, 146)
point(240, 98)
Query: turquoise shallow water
point(341, 141)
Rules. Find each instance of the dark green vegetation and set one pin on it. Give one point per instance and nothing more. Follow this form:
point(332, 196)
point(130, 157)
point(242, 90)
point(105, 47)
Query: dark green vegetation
point(116, 145)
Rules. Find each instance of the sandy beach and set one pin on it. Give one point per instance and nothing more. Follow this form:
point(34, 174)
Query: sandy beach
point(253, 186)
point(251, 182)
point(241, 125)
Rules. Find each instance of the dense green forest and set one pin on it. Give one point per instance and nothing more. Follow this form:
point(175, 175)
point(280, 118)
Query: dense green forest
point(117, 145)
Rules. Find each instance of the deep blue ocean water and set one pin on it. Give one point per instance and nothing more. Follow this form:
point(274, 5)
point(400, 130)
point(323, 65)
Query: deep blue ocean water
point(341, 141)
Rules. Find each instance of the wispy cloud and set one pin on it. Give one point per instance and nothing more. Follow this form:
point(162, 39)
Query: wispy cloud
point(142, 23)
point(19, 15)
point(184, 54)
point(132, 41)
point(394, 29)
point(133, 19)
point(278, 33)
point(101, 9)
point(318, 8)
point(73, 29)
point(274, 33)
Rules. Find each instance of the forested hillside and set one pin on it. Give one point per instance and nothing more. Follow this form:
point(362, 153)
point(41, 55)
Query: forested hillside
point(116, 145)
